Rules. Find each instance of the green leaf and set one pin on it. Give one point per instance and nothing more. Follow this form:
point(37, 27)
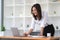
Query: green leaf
point(2, 28)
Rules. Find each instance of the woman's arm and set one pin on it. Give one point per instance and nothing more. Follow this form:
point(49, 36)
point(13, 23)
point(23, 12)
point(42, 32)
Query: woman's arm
point(41, 32)
point(30, 31)
point(31, 28)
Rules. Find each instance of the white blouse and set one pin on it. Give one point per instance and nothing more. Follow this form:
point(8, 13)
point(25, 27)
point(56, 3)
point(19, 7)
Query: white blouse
point(37, 24)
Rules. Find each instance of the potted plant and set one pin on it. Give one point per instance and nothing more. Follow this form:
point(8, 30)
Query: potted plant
point(2, 30)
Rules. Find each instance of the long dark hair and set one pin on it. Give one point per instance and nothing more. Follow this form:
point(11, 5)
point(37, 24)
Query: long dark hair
point(38, 8)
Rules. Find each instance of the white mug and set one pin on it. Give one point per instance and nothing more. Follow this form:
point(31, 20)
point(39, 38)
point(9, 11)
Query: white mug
point(48, 34)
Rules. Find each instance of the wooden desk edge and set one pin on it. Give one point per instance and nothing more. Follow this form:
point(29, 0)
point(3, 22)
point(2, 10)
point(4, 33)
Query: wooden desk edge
point(12, 37)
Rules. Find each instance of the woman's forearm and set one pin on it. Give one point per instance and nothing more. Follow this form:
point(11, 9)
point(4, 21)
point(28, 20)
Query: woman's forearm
point(42, 31)
point(30, 31)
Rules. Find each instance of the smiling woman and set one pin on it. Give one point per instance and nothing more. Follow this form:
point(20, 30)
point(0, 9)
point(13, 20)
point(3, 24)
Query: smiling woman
point(38, 21)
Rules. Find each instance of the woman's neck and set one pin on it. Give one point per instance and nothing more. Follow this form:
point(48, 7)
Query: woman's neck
point(38, 18)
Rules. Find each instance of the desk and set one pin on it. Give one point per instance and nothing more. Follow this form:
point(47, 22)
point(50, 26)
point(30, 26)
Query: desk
point(27, 38)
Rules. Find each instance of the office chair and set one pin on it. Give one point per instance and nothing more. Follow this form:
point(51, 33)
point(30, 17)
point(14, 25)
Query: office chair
point(49, 29)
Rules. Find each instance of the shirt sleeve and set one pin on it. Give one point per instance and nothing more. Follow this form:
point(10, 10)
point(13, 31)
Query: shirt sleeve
point(45, 17)
point(32, 24)
point(42, 23)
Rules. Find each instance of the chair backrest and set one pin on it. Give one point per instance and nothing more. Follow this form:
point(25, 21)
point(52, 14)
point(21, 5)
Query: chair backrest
point(49, 29)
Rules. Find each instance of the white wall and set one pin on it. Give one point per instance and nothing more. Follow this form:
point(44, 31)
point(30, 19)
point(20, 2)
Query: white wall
point(55, 21)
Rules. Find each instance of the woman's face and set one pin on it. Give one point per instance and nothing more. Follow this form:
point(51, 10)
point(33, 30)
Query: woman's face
point(34, 11)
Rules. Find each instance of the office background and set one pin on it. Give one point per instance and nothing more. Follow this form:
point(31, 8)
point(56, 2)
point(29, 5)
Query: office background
point(17, 13)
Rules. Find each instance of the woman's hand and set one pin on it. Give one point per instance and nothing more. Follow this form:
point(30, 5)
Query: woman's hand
point(26, 34)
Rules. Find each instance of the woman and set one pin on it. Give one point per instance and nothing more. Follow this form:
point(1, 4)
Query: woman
point(38, 22)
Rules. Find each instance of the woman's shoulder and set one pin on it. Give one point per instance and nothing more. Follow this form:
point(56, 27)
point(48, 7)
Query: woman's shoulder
point(44, 13)
point(33, 19)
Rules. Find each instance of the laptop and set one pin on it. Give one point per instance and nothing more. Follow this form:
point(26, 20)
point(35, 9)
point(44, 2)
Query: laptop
point(16, 32)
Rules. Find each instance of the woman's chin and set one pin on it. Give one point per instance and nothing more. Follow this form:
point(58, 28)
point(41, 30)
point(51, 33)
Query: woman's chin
point(35, 15)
